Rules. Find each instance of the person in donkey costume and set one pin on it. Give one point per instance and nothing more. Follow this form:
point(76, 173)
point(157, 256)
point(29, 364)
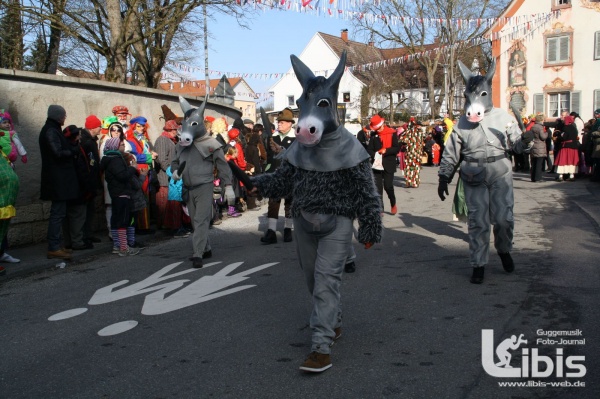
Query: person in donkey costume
point(202, 153)
point(328, 173)
point(482, 139)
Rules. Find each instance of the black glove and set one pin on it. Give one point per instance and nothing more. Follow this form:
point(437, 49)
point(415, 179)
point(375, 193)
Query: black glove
point(443, 187)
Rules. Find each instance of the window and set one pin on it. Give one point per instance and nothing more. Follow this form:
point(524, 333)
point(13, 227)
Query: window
point(558, 103)
point(291, 101)
point(425, 96)
point(346, 97)
point(561, 4)
point(597, 46)
point(558, 50)
point(596, 99)
point(538, 103)
point(400, 97)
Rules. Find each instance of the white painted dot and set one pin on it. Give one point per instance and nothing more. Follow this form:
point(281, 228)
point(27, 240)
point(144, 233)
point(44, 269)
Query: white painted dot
point(117, 328)
point(67, 314)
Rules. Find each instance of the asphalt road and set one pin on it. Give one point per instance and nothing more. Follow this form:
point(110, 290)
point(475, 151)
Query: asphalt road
point(149, 326)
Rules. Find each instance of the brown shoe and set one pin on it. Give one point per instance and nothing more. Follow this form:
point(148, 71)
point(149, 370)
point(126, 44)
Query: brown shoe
point(338, 334)
point(67, 250)
point(58, 254)
point(316, 362)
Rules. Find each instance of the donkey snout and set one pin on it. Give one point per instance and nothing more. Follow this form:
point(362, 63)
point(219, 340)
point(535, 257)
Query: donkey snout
point(309, 131)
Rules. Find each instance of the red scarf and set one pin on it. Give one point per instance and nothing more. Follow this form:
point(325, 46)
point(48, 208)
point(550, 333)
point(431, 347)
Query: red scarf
point(386, 137)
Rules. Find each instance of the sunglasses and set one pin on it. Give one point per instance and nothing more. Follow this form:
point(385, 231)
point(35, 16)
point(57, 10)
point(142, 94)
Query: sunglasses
point(114, 130)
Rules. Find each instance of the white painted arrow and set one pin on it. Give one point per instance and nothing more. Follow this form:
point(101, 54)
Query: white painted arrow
point(202, 290)
point(106, 294)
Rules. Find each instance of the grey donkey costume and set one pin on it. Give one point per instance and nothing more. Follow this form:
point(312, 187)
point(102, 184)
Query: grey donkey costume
point(328, 173)
point(202, 154)
point(480, 143)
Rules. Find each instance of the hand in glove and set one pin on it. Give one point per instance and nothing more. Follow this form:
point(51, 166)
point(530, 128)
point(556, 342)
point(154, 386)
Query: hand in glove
point(443, 187)
point(179, 171)
point(229, 194)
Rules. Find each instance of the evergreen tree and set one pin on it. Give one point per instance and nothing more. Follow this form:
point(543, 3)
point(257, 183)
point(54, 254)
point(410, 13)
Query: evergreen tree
point(11, 36)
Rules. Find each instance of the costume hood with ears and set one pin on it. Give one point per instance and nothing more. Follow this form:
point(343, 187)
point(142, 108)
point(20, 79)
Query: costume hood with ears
point(322, 144)
point(478, 92)
point(318, 102)
point(192, 125)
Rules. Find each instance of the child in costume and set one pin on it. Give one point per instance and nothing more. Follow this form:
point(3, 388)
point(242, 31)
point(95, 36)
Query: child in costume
point(10, 145)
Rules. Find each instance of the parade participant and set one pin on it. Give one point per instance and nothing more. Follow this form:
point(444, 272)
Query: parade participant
point(482, 138)
point(122, 114)
point(10, 144)
point(384, 145)
point(281, 140)
point(9, 188)
point(328, 173)
point(202, 154)
point(414, 149)
point(141, 148)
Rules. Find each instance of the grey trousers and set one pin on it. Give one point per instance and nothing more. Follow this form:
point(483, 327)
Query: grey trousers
point(322, 258)
point(491, 203)
point(200, 208)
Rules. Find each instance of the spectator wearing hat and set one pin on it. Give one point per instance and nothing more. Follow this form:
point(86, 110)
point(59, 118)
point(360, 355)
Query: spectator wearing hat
point(10, 144)
point(238, 124)
point(122, 114)
point(141, 148)
point(119, 175)
point(59, 182)
point(169, 212)
point(249, 123)
point(89, 144)
point(281, 140)
point(384, 141)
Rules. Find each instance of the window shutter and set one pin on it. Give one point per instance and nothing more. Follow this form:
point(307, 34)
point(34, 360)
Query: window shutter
point(564, 48)
point(597, 48)
point(538, 103)
point(575, 101)
point(551, 49)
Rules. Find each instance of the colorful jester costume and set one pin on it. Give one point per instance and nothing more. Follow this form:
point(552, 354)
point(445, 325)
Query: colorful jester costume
point(9, 188)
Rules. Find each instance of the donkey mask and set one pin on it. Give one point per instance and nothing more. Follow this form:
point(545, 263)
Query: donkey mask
point(478, 92)
point(318, 102)
point(192, 126)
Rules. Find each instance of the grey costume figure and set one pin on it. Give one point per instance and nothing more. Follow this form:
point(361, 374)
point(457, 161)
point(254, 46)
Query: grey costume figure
point(482, 139)
point(202, 153)
point(328, 173)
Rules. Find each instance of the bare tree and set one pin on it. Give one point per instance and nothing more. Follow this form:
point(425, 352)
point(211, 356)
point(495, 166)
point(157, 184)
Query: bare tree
point(119, 30)
point(432, 36)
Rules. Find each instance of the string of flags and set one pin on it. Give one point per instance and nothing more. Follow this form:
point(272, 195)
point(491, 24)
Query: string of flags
point(523, 29)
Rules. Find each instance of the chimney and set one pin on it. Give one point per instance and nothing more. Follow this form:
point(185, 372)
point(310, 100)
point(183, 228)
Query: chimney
point(345, 35)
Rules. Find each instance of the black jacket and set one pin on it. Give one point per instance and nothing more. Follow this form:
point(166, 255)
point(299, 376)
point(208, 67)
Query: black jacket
point(59, 178)
point(389, 156)
point(118, 174)
point(89, 145)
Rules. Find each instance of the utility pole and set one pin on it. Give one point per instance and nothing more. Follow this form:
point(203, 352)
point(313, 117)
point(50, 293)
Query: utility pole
point(206, 76)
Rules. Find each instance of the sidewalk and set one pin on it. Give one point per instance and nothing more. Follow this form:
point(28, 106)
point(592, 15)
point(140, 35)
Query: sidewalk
point(33, 257)
point(582, 193)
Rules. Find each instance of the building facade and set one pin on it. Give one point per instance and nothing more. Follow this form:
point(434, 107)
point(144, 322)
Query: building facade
point(552, 66)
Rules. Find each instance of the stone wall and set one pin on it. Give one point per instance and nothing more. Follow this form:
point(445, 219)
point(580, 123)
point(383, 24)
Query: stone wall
point(27, 95)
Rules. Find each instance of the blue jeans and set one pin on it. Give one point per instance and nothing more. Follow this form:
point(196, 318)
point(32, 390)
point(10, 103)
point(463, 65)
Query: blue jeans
point(58, 212)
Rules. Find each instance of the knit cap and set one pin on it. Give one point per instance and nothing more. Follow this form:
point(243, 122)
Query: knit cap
point(112, 144)
point(56, 112)
point(92, 122)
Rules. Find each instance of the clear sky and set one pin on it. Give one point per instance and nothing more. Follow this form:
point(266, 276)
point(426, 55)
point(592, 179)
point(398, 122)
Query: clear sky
point(266, 46)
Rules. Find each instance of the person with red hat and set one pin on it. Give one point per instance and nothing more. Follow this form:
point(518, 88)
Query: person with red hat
point(122, 113)
point(384, 145)
point(89, 143)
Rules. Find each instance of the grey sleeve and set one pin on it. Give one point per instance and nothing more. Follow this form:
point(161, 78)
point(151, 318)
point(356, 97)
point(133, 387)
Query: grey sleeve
point(451, 155)
point(222, 167)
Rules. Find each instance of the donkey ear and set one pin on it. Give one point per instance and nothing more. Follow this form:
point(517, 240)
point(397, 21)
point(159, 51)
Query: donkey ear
point(492, 69)
point(201, 108)
point(303, 73)
point(464, 71)
point(266, 122)
point(185, 106)
point(336, 76)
